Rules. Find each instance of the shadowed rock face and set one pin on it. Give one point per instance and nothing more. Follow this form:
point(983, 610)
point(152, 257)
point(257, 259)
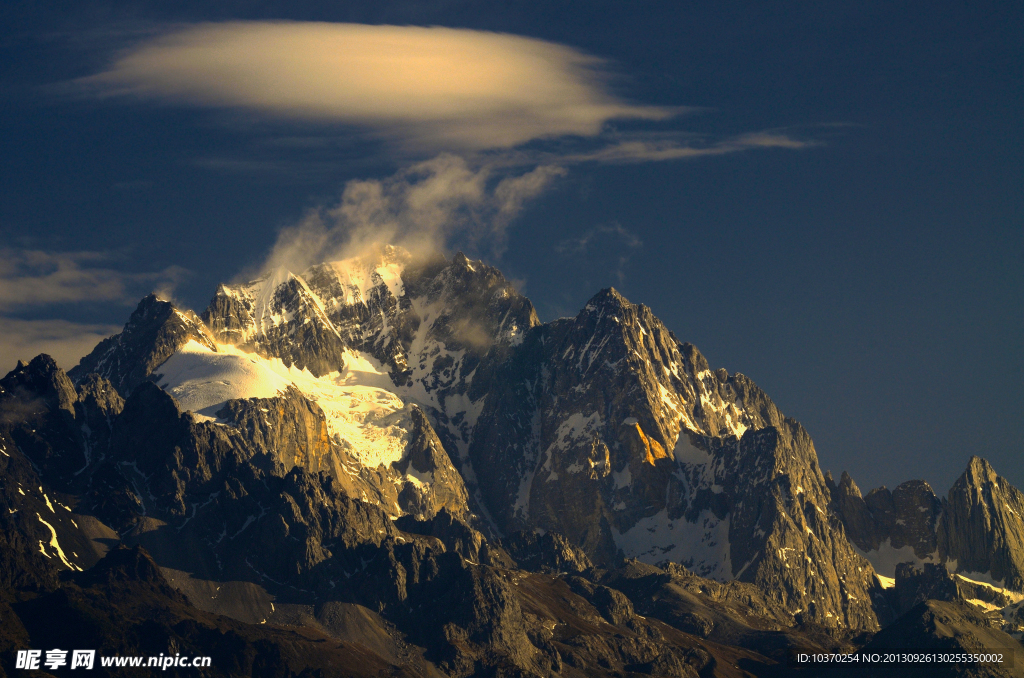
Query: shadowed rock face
point(23, 564)
point(98, 405)
point(917, 511)
point(860, 524)
point(38, 412)
point(289, 426)
point(547, 552)
point(930, 582)
point(432, 482)
point(907, 516)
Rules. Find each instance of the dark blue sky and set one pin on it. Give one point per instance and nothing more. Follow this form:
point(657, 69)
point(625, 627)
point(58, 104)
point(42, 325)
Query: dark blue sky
point(871, 281)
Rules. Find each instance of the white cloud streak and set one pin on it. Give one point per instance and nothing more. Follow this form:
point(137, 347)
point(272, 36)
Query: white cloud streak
point(661, 150)
point(440, 88)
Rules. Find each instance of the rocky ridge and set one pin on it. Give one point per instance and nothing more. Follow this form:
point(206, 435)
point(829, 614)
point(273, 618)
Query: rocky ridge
point(581, 497)
point(155, 330)
point(976, 529)
point(981, 528)
point(581, 426)
point(290, 425)
point(227, 523)
point(608, 428)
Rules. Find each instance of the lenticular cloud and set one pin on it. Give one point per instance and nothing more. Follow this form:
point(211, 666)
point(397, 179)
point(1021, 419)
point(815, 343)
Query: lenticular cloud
point(448, 87)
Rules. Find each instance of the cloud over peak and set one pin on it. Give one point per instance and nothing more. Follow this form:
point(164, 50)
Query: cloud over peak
point(424, 208)
point(433, 87)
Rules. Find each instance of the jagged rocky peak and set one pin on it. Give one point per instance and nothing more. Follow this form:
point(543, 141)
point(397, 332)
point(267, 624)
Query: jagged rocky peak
point(608, 429)
point(277, 316)
point(153, 333)
point(976, 530)
point(890, 521)
point(978, 476)
point(379, 303)
point(41, 380)
point(601, 397)
point(38, 414)
point(981, 528)
point(715, 402)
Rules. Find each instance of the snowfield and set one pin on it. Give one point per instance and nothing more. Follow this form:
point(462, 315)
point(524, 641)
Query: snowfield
point(363, 416)
point(202, 380)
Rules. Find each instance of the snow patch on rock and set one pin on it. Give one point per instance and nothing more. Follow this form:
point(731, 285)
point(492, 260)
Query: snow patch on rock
point(701, 546)
point(886, 557)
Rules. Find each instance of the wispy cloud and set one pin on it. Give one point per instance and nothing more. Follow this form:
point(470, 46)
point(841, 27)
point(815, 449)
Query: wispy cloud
point(471, 201)
point(423, 207)
point(664, 147)
point(500, 116)
point(440, 88)
point(66, 342)
point(30, 278)
point(581, 243)
point(624, 242)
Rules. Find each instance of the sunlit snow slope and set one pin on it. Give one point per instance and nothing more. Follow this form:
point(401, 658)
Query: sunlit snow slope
point(372, 423)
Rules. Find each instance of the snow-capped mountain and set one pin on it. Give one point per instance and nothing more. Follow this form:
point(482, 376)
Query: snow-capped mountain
point(368, 438)
point(392, 431)
point(402, 330)
point(603, 427)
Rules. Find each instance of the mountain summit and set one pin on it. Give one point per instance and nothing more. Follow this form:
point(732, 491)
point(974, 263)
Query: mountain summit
point(398, 445)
